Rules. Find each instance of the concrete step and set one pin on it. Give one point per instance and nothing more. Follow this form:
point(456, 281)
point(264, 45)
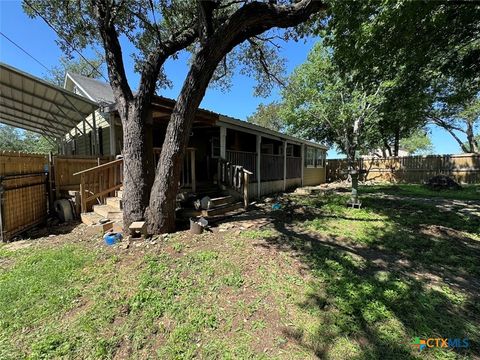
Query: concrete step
point(119, 194)
point(108, 212)
point(114, 202)
point(222, 200)
point(222, 209)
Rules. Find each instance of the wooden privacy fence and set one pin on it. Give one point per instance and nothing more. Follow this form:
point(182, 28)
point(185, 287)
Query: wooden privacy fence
point(29, 183)
point(23, 192)
point(464, 168)
point(63, 168)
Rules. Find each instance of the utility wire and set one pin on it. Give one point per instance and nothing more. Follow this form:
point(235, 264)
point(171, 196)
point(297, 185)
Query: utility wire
point(25, 51)
point(68, 42)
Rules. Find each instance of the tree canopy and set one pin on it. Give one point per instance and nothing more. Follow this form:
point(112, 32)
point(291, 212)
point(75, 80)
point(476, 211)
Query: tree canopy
point(91, 67)
point(323, 104)
point(268, 116)
point(406, 43)
point(419, 143)
point(13, 139)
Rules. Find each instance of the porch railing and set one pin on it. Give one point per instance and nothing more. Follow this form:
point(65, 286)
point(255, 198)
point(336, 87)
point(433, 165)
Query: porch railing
point(187, 176)
point(244, 158)
point(99, 182)
point(236, 177)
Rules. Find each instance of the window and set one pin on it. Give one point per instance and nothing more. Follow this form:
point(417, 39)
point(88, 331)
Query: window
point(215, 147)
point(319, 158)
point(309, 157)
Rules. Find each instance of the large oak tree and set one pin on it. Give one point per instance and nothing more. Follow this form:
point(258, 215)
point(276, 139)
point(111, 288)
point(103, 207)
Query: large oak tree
point(159, 30)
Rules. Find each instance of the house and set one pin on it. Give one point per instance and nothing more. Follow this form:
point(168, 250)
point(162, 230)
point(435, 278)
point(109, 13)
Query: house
point(235, 160)
point(276, 161)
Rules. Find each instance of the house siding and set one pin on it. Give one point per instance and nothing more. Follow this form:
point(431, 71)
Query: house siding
point(83, 147)
point(313, 176)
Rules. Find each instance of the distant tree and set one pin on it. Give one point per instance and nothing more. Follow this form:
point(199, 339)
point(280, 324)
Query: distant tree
point(90, 68)
point(404, 42)
point(14, 139)
point(322, 104)
point(417, 143)
point(268, 116)
point(463, 119)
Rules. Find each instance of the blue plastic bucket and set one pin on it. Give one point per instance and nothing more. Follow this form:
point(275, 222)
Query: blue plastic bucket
point(112, 238)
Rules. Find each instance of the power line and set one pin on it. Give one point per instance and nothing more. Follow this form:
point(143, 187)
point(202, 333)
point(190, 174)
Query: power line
point(68, 42)
point(25, 51)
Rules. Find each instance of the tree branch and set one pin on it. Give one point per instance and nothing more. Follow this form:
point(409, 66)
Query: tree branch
point(113, 52)
point(263, 62)
point(155, 61)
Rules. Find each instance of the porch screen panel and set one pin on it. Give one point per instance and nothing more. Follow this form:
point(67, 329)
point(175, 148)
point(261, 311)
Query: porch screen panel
point(271, 167)
point(294, 167)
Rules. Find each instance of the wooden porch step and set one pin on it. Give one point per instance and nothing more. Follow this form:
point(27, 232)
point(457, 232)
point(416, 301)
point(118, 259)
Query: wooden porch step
point(90, 218)
point(119, 193)
point(114, 202)
point(108, 212)
point(222, 209)
point(222, 200)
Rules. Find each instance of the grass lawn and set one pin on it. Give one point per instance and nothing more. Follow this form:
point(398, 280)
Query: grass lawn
point(319, 280)
point(468, 192)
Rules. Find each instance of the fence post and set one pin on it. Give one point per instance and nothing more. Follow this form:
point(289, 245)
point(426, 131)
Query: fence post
point(50, 181)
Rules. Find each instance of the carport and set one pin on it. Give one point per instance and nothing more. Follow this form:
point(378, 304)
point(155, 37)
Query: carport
point(33, 104)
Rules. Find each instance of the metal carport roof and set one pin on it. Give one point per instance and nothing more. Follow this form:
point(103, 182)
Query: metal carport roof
point(30, 103)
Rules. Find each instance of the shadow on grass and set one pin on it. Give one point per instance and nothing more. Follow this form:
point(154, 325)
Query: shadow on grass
point(371, 301)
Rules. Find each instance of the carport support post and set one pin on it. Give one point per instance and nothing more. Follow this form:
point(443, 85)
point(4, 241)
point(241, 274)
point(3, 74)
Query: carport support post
point(95, 138)
point(85, 148)
point(284, 165)
point(259, 158)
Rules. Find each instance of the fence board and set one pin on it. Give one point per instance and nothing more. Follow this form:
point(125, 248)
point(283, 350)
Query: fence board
point(65, 166)
point(23, 179)
point(464, 168)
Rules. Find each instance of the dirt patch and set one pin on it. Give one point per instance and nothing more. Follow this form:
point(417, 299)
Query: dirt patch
point(18, 245)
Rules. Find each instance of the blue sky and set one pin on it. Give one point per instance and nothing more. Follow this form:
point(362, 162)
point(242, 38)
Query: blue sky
point(39, 40)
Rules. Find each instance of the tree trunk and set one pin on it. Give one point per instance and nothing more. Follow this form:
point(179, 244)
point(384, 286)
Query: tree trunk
point(137, 165)
point(472, 142)
point(161, 210)
point(396, 144)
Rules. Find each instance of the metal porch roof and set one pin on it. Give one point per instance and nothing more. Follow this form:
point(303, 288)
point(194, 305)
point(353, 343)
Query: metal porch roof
point(30, 103)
